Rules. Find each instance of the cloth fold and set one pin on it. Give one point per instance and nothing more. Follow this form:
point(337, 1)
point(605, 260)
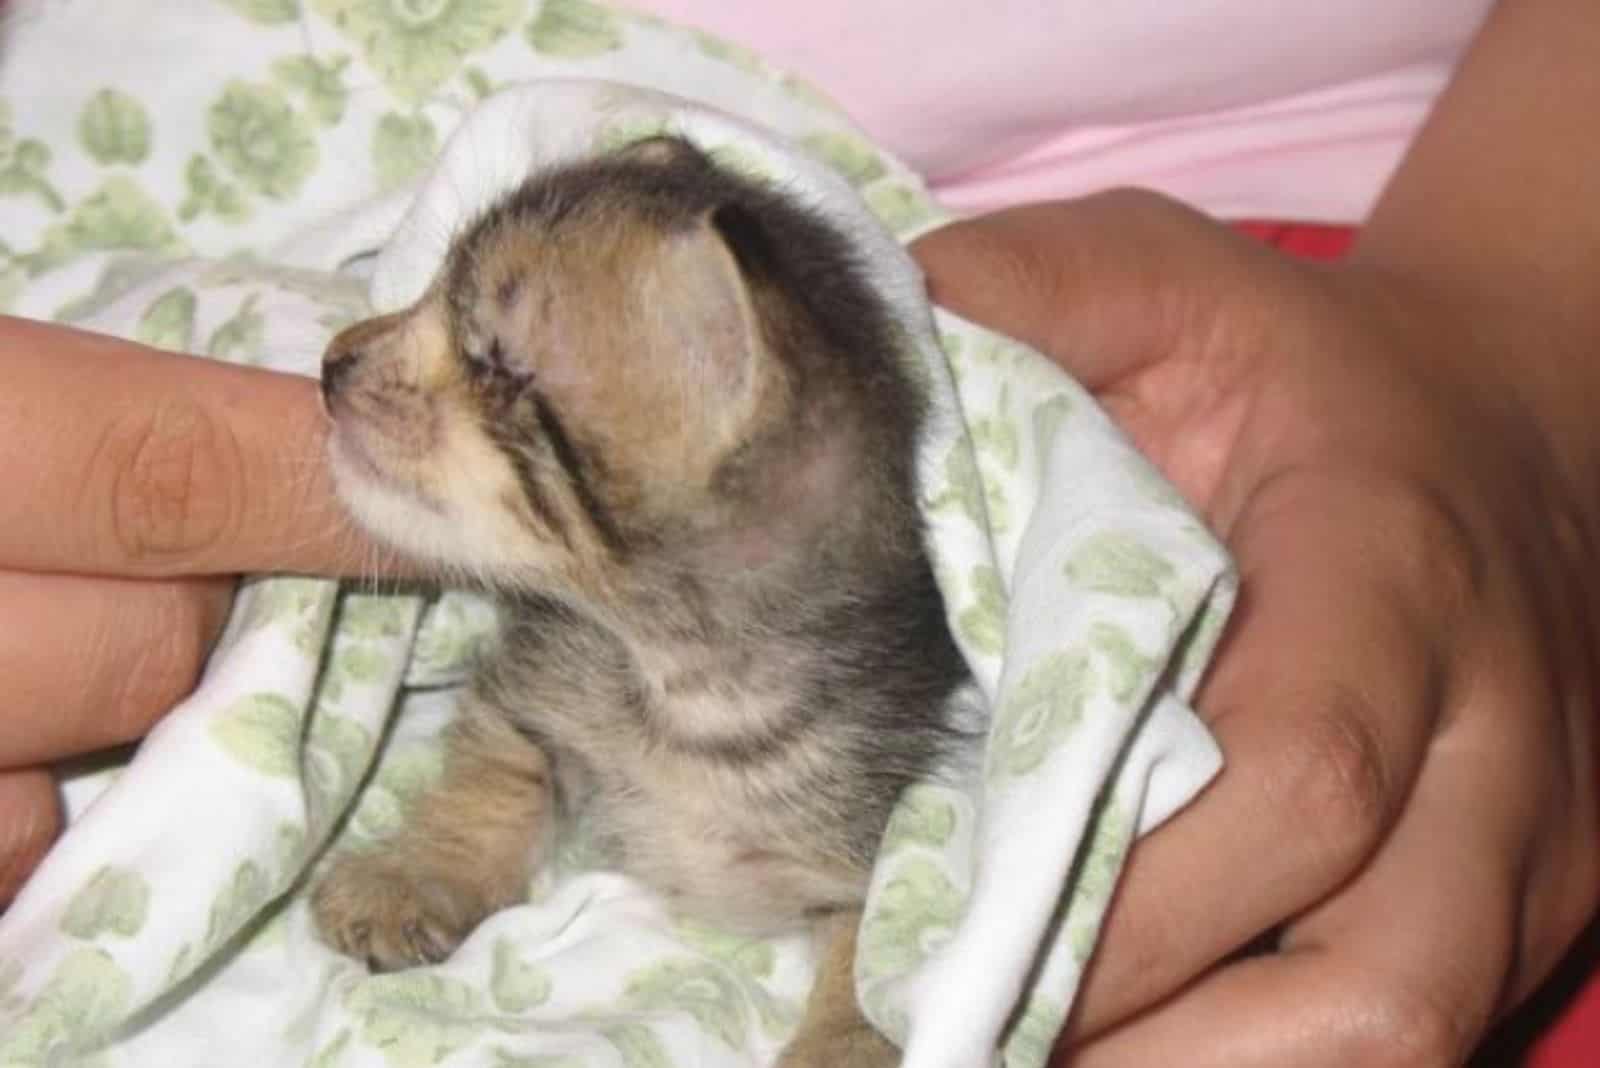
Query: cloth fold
point(169, 926)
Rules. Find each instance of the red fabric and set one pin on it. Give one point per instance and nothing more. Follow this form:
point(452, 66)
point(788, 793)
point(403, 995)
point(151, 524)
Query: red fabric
point(1308, 241)
point(1569, 1022)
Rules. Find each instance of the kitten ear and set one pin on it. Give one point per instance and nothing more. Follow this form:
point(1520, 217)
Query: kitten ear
point(661, 151)
point(707, 273)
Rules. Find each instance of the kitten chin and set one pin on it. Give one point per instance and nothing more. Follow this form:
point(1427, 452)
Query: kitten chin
point(659, 411)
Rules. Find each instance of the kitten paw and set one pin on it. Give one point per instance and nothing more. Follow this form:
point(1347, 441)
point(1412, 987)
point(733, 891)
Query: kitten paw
point(855, 1047)
point(390, 914)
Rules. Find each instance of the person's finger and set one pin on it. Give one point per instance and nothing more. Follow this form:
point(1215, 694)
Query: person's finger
point(1301, 699)
point(1404, 965)
point(30, 819)
point(121, 459)
point(1160, 311)
point(91, 662)
point(1087, 282)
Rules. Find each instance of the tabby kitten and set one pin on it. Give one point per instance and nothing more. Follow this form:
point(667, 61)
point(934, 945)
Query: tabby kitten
point(658, 411)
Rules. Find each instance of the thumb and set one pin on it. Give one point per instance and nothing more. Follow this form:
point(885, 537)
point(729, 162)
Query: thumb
point(1104, 285)
point(119, 459)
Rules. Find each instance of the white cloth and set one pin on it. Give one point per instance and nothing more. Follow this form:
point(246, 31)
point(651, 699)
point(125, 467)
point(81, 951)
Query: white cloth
point(169, 925)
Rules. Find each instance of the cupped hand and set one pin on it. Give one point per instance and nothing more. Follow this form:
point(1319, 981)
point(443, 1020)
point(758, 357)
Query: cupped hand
point(136, 483)
point(1403, 841)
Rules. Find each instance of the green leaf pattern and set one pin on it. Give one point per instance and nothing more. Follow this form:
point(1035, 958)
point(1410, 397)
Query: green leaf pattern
point(416, 45)
point(373, 88)
point(574, 29)
point(115, 901)
point(168, 323)
point(114, 128)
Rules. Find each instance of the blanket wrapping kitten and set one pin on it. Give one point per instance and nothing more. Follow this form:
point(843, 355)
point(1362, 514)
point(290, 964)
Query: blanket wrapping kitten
point(658, 411)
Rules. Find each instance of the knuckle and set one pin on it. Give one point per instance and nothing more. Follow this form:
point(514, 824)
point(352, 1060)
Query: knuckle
point(174, 482)
point(1418, 525)
point(1338, 777)
point(1397, 1025)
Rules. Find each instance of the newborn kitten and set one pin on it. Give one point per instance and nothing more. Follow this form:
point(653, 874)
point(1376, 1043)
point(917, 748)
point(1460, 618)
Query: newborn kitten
point(658, 410)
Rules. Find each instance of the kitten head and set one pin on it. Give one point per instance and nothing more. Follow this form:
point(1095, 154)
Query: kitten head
point(625, 359)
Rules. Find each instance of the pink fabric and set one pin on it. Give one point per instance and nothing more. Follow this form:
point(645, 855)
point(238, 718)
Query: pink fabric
point(1247, 108)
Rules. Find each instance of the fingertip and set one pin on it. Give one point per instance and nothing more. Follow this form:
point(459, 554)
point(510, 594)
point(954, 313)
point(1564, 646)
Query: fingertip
point(30, 819)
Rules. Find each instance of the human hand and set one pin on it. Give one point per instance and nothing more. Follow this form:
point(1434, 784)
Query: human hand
point(136, 484)
point(1406, 697)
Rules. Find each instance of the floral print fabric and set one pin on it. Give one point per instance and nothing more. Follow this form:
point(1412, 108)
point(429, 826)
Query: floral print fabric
point(241, 178)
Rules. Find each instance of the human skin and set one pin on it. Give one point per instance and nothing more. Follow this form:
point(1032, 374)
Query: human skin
point(1400, 452)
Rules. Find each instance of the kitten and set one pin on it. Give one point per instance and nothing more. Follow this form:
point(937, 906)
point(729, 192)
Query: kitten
point(659, 411)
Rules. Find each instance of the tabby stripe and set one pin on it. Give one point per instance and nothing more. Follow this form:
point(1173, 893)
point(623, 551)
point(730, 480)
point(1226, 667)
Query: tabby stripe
point(567, 456)
point(533, 491)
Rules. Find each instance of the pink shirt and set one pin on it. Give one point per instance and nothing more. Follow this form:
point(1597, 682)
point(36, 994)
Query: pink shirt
point(1271, 109)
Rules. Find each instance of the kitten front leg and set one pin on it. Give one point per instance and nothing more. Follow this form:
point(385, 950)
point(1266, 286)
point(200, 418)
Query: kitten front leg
point(833, 1033)
point(468, 849)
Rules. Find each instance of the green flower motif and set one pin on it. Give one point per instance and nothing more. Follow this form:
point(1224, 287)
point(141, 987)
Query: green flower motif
point(515, 986)
point(416, 1018)
point(209, 193)
point(909, 919)
point(1117, 563)
point(266, 12)
point(261, 731)
point(336, 754)
point(506, 1059)
point(243, 337)
point(1033, 1036)
point(810, 95)
point(238, 902)
point(853, 157)
point(370, 618)
point(983, 623)
point(118, 215)
point(302, 606)
point(750, 962)
point(1096, 876)
point(901, 208)
point(638, 1046)
point(1128, 669)
point(168, 323)
point(452, 632)
point(114, 128)
point(290, 846)
point(417, 45)
point(87, 995)
point(478, 82)
point(725, 51)
point(331, 1054)
point(629, 130)
point(321, 82)
point(401, 778)
point(402, 148)
point(1049, 417)
point(116, 900)
point(984, 503)
point(699, 988)
point(925, 816)
point(23, 165)
point(1040, 712)
point(574, 29)
point(265, 143)
point(997, 436)
point(13, 280)
point(120, 276)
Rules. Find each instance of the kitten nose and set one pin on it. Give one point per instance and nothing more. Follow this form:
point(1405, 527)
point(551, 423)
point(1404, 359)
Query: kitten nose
point(336, 367)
